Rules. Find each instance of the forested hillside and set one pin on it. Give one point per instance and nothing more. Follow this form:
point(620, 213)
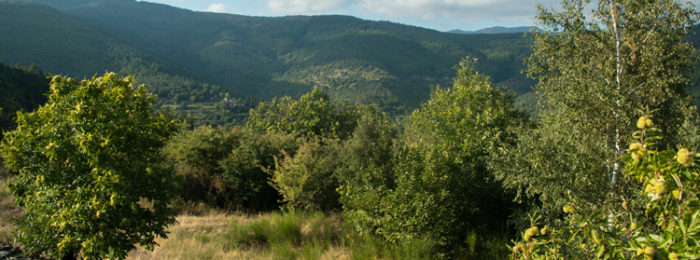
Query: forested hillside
point(389, 64)
point(22, 89)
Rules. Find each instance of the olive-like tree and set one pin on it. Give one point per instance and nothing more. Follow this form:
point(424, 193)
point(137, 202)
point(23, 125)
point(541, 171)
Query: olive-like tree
point(90, 173)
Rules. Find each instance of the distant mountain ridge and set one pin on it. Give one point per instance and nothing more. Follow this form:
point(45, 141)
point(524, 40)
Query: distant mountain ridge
point(195, 60)
point(496, 30)
point(360, 61)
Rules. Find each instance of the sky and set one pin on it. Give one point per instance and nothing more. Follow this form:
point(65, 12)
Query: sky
point(440, 15)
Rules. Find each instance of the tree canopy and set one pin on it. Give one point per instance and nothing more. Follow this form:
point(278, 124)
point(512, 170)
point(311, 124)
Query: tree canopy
point(90, 177)
point(597, 73)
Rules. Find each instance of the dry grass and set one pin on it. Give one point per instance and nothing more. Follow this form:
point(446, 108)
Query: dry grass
point(230, 236)
point(8, 210)
point(185, 240)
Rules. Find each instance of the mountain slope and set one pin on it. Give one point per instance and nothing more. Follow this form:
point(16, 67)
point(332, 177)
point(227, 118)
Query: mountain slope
point(22, 89)
point(193, 58)
point(356, 60)
point(58, 43)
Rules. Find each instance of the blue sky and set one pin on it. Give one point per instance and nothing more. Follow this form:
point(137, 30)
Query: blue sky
point(441, 15)
point(435, 14)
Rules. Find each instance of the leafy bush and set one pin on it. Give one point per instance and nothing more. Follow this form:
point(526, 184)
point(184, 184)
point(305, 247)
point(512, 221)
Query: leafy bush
point(248, 169)
point(228, 168)
point(197, 155)
point(439, 188)
point(367, 172)
point(307, 180)
point(90, 177)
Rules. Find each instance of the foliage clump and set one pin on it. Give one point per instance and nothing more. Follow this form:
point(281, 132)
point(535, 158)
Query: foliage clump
point(90, 177)
point(661, 220)
point(439, 187)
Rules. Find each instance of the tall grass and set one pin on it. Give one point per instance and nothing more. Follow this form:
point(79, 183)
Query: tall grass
point(308, 235)
point(289, 235)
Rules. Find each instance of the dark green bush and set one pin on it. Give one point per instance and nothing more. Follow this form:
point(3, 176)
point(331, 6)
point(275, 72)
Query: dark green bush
point(228, 168)
point(247, 169)
point(197, 155)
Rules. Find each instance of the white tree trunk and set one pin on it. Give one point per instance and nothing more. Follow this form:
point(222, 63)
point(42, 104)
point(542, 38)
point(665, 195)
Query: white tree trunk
point(618, 78)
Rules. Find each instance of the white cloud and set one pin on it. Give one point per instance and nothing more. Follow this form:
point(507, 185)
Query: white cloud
point(467, 10)
point(307, 6)
point(513, 11)
point(217, 8)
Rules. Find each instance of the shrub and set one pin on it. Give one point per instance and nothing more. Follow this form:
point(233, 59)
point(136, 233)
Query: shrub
point(307, 180)
point(90, 177)
point(248, 170)
point(440, 188)
point(197, 155)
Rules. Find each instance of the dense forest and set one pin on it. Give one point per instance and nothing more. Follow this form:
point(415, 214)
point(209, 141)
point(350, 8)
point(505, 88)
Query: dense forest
point(192, 62)
point(606, 169)
point(383, 63)
point(22, 89)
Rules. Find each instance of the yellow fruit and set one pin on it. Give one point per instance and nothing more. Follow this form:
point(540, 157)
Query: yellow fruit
point(633, 227)
point(644, 122)
point(624, 205)
point(649, 251)
point(640, 251)
point(530, 232)
point(676, 194)
point(517, 248)
point(568, 209)
point(544, 230)
point(637, 151)
point(673, 256)
point(683, 157)
point(637, 156)
point(659, 185)
point(636, 147)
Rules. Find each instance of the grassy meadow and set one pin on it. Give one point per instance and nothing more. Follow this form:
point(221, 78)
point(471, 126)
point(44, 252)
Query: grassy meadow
point(276, 235)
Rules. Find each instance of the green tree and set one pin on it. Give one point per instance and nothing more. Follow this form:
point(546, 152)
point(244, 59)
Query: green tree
point(441, 188)
point(367, 172)
point(307, 177)
point(313, 115)
point(90, 177)
point(597, 73)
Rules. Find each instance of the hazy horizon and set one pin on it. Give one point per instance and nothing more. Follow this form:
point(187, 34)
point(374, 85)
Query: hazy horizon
point(441, 15)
